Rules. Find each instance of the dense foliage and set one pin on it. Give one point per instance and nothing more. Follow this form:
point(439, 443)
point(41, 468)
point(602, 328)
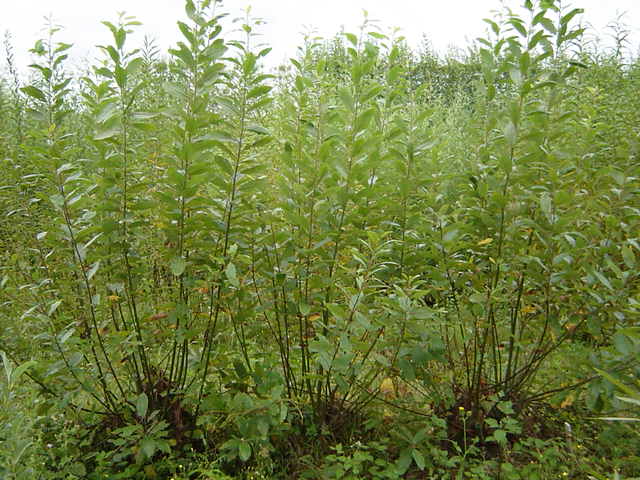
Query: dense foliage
point(374, 263)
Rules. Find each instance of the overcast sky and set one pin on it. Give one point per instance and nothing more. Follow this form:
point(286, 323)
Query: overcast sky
point(445, 23)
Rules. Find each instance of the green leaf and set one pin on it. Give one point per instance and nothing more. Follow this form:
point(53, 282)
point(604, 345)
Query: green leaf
point(603, 280)
point(346, 97)
point(34, 92)
point(107, 133)
point(240, 369)
point(142, 405)
point(620, 419)
point(500, 436)
point(548, 25)
point(177, 266)
point(404, 461)
point(450, 235)
point(518, 26)
point(264, 52)
point(187, 33)
point(20, 370)
point(66, 335)
point(148, 447)
point(183, 54)
point(53, 307)
point(92, 271)
point(8, 370)
point(363, 120)
point(62, 47)
point(494, 26)
point(623, 344)
point(352, 38)
point(488, 62)
point(258, 91)
point(621, 386)
point(258, 129)
point(628, 256)
point(244, 450)
point(134, 65)
point(546, 206)
point(230, 272)
point(419, 458)
point(569, 16)
point(634, 401)
point(77, 469)
point(510, 133)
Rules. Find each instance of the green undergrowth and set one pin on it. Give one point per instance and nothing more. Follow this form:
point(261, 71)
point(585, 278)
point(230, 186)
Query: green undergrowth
point(371, 262)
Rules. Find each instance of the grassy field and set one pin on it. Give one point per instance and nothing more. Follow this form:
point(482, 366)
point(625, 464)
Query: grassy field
point(374, 263)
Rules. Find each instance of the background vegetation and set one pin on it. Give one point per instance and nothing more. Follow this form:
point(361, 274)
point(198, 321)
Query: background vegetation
point(374, 263)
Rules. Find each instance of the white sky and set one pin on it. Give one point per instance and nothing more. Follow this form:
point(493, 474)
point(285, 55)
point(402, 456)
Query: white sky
point(446, 23)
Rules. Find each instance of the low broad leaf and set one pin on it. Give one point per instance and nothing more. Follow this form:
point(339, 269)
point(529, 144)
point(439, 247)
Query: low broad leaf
point(244, 450)
point(142, 405)
point(404, 461)
point(419, 458)
point(500, 436)
point(148, 447)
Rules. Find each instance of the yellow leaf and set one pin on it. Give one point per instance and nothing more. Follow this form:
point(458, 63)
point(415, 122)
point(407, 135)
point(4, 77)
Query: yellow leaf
point(486, 241)
point(150, 471)
point(567, 402)
point(387, 388)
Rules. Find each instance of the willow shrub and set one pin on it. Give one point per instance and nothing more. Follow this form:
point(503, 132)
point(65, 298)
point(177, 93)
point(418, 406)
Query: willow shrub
point(501, 243)
point(518, 244)
point(224, 260)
